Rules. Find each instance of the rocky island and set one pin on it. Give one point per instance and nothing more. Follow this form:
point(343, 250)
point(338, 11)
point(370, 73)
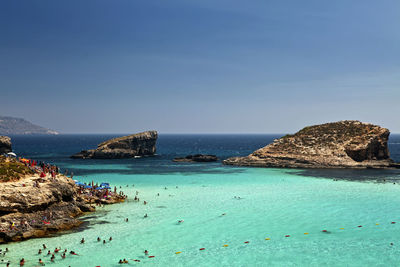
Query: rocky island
point(140, 144)
point(343, 144)
point(5, 144)
point(197, 158)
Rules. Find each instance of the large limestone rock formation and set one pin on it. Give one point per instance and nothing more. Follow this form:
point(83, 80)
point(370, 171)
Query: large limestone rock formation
point(35, 207)
point(141, 144)
point(5, 144)
point(343, 144)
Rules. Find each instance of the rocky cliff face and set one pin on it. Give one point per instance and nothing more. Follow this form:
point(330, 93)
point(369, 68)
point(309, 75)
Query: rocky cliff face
point(5, 144)
point(343, 144)
point(35, 207)
point(141, 144)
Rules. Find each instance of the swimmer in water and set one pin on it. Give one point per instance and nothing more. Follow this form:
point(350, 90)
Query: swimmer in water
point(22, 262)
point(63, 256)
point(146, 252)
point(125, 261)
point(110, 238)
point(41, 262)
point(180, 221)
point(40, 251)
point(98, 239)
point(145, 216)
point(48, 252)
point(44, 246)
point(52, 258)
point(82, 240)
point(104, 241)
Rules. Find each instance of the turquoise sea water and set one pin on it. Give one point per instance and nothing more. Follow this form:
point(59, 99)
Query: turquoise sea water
point(273, 203)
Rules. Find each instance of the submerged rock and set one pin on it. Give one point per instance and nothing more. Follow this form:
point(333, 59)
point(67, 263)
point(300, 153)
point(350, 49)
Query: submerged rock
point(197, 158)
point(141, 144)
point(343, 144)
point(5, 144)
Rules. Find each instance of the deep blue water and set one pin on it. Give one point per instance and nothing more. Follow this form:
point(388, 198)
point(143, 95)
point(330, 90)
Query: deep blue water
point(57, 149)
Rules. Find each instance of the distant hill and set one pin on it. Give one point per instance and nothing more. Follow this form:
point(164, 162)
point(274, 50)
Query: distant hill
point(11, 125)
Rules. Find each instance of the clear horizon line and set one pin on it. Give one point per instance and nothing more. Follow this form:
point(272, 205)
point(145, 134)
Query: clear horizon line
point(188, 133)
point(167, 133)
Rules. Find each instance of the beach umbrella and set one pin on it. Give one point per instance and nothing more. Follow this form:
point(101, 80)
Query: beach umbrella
point(12, 154)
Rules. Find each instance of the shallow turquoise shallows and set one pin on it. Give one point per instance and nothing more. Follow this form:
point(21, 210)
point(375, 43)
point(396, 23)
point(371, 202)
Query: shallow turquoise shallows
point(261, 207)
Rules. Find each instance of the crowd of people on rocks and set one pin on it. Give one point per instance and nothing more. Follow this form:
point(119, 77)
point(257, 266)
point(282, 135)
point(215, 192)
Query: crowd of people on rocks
point(99, 194)
point(41, 168)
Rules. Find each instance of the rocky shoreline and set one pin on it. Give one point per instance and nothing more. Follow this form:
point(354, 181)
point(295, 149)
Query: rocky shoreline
point(36, 207)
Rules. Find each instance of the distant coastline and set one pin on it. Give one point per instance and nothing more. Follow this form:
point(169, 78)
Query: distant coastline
point(20, 126)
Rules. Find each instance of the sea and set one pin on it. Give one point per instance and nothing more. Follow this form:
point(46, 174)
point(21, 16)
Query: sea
point(232, 216)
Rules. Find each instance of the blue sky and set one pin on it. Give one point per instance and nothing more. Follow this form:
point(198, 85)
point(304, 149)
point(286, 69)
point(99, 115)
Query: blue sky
point(189, 66)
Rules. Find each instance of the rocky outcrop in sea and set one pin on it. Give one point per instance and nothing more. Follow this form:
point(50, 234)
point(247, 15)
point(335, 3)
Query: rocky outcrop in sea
point(197, 158)
point(5, 144)
point(140, 144)
point(343, 144)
